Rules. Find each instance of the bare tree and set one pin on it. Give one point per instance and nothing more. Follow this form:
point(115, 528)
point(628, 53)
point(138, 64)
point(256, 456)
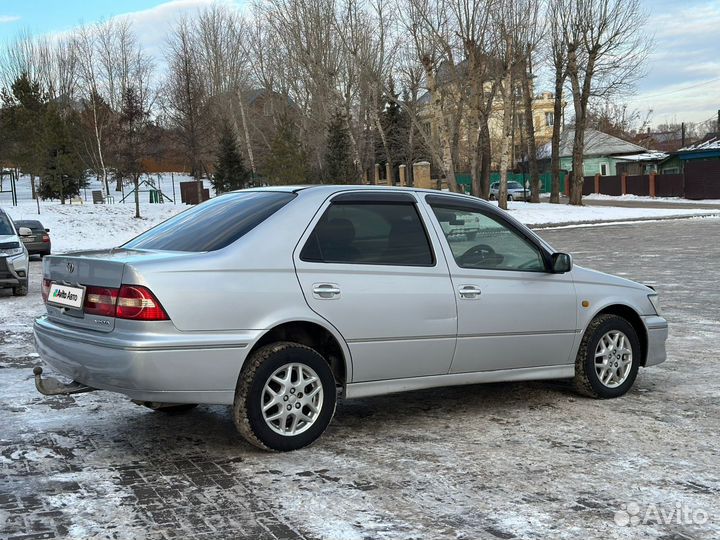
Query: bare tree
point(558, 14)
point(185, 101)
point(436, 45)
point(606, 48)
point(535, 33)
point(513, 21)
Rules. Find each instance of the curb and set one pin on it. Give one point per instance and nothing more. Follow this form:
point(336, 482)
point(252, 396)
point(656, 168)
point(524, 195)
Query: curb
point(570, 224)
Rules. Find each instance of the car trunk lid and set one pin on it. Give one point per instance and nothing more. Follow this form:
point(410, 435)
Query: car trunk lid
point(91, 270)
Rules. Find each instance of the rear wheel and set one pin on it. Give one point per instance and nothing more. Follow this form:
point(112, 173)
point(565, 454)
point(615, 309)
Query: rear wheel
point(608, 359)
point(492, 197)
point(285, 397)
point(510, 197)
point(21, 289)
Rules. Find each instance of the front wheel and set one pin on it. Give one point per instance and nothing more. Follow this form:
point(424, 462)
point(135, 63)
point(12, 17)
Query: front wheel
point(285, 397)
point(608, 359)
point(21, 290)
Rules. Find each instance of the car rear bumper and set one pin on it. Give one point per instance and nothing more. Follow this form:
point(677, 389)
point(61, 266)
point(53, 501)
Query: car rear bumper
point(657, 332)
point(148, 367)
point(38, 248)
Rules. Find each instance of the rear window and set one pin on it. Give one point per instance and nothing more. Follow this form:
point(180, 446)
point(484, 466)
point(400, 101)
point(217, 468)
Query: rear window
point(214, 224)
point(34, 225)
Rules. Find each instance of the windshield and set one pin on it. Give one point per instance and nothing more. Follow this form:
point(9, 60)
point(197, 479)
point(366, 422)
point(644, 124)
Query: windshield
point(6, 227)
point(514, 185)
point(214, 224)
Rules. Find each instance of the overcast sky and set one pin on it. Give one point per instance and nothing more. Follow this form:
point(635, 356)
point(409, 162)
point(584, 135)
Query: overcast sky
point(683, 71)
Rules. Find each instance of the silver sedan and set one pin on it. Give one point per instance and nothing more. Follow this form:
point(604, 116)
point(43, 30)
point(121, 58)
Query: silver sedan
point(279, 301)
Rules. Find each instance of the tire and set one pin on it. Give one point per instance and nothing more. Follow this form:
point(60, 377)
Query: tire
point(589, 370)
point(492, 197)
point(285, 361)
point(21, 290)
point(168, 408)
point(510, 198)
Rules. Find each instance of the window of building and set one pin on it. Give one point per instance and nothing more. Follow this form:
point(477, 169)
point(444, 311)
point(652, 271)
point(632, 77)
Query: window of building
point(603, 169)
point(549, 119)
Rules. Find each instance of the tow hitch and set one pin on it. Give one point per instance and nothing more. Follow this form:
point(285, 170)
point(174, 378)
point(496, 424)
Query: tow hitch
point(52, 387)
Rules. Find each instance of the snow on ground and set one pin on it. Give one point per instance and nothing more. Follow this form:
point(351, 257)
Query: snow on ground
point(641, 199)
point(546, 213)
point(90, 226)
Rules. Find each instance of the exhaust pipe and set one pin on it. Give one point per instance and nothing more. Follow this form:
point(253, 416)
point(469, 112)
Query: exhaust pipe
point(50, 386)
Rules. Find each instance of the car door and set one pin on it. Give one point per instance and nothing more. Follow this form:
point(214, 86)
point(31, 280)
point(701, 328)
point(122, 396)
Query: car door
point(512, 312)
point(368, 265)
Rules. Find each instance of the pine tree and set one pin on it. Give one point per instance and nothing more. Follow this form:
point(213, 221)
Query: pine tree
point(287, 163)
point(62, 172)
point(338, 161)
point(230, 172)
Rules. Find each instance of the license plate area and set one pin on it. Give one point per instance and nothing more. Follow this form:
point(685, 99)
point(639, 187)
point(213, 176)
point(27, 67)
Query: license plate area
point(67, 296)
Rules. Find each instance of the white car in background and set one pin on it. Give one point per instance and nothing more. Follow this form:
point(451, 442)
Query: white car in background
point(14, 258)
point(516, 191)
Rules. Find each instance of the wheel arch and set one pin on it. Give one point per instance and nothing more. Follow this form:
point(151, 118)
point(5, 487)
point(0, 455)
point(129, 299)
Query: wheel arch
point(631, 316)
point(317, 337)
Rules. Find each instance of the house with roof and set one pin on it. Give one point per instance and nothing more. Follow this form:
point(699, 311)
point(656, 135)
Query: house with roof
point(602, 153)
point(642, 163)
point(707, 149)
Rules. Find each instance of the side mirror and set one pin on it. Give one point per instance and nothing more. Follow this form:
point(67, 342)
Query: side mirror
point(47, 230)
point(561, 263)
point(24, 231)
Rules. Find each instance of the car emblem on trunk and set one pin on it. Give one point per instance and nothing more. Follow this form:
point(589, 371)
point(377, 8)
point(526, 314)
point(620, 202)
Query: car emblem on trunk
point(70, 267)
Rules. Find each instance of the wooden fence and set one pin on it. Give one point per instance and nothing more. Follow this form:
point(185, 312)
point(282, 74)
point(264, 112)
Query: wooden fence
point(700, 180)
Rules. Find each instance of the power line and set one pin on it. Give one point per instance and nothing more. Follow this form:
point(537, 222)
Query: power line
point(690, 87)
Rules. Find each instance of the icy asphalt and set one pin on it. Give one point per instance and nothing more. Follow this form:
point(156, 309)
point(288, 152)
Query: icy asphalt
point(516, 460)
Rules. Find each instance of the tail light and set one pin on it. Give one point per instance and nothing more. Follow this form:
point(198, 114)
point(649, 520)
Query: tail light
point(133, 302)
point(45, 289)
point(46, 238)
point(138, 303)
point(100, 301)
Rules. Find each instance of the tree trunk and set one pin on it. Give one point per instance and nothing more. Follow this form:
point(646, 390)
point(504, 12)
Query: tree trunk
point(32, 186)
point(136, 181)
point(486, 153)
point(555, 144)
point(446, 142)
point(506, 139)
point(251, 156)
point(578, 173)
point(530, 136)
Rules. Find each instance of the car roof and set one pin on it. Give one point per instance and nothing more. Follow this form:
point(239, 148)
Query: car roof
point(328, 190)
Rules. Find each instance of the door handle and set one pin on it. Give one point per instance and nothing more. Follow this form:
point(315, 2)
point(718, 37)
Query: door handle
point(325, 291)
point(469, 291)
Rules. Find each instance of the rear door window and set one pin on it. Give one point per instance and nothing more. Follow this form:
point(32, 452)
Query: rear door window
point(214, 224)
point(370, 233)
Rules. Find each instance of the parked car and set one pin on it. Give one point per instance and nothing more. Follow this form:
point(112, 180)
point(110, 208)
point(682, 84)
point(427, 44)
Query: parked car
point(277, 300)
point(516, 191)
point(14, 258)
point(39, 242)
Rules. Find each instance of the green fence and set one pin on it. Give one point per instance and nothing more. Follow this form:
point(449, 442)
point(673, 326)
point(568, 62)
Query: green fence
point(465, 180)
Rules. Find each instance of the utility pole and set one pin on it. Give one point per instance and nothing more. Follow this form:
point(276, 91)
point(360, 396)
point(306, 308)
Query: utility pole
point(682, 134)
